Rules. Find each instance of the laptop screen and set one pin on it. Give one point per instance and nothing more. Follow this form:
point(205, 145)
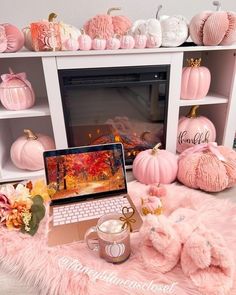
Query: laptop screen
point(85, 172)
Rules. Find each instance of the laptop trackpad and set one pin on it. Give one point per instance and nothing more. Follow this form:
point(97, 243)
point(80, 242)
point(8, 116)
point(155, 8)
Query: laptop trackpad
point(69, 233)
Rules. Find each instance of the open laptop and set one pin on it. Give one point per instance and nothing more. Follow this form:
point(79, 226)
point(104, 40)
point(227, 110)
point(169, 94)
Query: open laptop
point(86, 182)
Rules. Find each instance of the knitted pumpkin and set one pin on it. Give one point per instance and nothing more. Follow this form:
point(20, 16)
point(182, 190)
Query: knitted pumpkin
point(105, 25)
point(208, 167)
point(213, 28)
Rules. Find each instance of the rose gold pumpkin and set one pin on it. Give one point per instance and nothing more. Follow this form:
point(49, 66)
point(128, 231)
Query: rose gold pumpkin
point(155, 166)
point(27, 151)
point(196, 80)
point(193, 130)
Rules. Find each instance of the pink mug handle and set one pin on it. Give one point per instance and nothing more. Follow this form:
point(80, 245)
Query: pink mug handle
point(93, 244)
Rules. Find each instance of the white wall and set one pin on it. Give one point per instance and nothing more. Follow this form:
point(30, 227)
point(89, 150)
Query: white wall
point(76, 12)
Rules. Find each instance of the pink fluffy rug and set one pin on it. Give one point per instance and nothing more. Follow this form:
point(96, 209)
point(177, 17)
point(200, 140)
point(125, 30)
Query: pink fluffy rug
point(44, 268)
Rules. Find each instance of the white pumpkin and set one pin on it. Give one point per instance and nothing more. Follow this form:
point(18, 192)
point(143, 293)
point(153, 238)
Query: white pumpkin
point(115, 250)
point(150, 27)
point(174, 30)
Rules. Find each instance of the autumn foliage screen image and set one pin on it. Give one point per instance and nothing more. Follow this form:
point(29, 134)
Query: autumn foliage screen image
point(85, 173)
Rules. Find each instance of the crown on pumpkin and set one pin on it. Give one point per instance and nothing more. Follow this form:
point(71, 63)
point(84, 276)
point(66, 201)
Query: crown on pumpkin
point(194, 62)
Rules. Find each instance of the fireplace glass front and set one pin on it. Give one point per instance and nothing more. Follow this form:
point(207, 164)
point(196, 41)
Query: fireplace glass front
point(124, 104)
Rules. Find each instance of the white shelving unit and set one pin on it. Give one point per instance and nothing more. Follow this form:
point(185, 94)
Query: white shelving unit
point(47, 114)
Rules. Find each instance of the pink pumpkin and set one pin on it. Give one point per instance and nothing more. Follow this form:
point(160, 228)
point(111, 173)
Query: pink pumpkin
point(3, 39)
point(213, 28)
point(127, 42)
point(13, 38)
point(193, 130)
point(16, 92)
point(208, 167)
point(85, 42)
point(106, 26)
point(113, 43)
point(155, 166)
point(27, 151)
point(153, 41)
point(140, 41)
point(195, 80)
point(99, 44)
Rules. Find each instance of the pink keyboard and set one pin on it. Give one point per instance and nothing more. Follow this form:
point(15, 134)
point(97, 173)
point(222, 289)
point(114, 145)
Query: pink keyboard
point(81, 211)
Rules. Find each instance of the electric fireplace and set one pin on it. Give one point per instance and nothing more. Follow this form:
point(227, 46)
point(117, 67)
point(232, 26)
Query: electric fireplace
point(117, 104)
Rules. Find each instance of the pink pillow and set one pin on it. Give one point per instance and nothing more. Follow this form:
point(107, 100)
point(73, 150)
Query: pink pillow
point(15, 38)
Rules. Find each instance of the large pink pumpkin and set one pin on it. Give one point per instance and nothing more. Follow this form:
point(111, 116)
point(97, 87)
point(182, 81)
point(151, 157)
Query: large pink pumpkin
point(16, 92)
point(155, 166)
point(193, 130)
point(27, 151)
point(195, 80)
point(213, 28)
point(208, 167)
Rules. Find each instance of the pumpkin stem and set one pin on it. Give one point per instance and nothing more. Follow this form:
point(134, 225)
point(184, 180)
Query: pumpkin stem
point(217, 4)
point(52, 16)
point(158, 10)
point(112, 9)
point(192, 113)
point(30, 134)
point(10, 71)
point(156, 148)
point(194, 62)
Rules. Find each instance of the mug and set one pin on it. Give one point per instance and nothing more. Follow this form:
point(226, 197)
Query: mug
point(112, 238)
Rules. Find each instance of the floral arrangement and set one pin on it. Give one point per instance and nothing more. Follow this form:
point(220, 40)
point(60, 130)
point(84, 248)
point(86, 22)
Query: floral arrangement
point(22, 206)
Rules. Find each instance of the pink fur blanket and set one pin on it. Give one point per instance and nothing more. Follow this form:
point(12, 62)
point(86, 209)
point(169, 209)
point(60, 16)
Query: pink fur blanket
point(46, 269)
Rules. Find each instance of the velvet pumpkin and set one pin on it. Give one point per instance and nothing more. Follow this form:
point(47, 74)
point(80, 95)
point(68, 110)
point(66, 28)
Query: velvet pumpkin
point(99, 44)
point(151, 28)
point(140, 41)
point(155, 166)
point(208, 167)
point(193, 130)
point(213, 27)
point(85, 42)
point(11, 37)
point(106, 26)
point(196, 80)
point(27, 151)
point(127, 42)
point(16, 92)
point(113, 43)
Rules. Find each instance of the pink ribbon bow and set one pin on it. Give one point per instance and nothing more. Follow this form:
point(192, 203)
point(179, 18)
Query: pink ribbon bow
point(211, 146)
point(20, 76)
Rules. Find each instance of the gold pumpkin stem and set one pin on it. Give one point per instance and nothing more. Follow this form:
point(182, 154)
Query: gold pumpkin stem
point(158, 10)
point(194, 62)
point(112, 9)
point(192, 113)
point(217, 4)
point(52, 16)
point(156, 148)
point(30, 135)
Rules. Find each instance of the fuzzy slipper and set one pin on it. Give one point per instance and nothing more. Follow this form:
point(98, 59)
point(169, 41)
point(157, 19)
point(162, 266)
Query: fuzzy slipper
point(209, 263)
point(160, 244)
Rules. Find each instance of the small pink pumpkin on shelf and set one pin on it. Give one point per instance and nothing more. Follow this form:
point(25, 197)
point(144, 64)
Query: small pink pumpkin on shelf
point(99, 44)
point(113, 43)
point(27, 151)
point(11, 38)
point(155, 166)
point(208, 167)
point(213, 27)
point(16, 92)
point(127, 42)
point(140, 41)
point(193, 130)
point(196, 80)
point(85, 41)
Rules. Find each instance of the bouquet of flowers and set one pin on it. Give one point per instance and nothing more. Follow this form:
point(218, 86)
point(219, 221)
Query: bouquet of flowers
point(22, 206)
